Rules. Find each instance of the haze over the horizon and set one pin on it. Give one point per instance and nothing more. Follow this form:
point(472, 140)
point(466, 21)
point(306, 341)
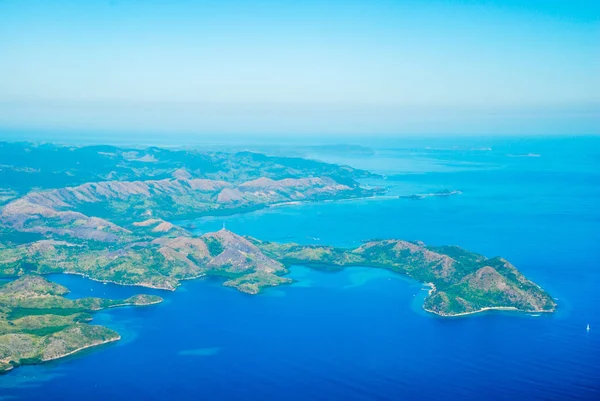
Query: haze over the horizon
point(331, 67)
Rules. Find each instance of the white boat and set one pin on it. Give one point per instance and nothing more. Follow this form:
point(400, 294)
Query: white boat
point(588, 327)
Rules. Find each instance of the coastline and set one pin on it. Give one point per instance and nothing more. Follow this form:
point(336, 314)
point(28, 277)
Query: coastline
point(340, 199)
point(132, 304)
point(117, 338)
point(11, 367)
point(485, 309)
point(122, 284)
point(8, 369)
point(433, 289)
point(430, 292)
point(182, 221)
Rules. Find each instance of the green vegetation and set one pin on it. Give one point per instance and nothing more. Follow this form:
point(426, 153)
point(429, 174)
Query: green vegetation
point(29, 167)
point(155, 262)
point(462, 282)
point(96, 193)
point(253, 283)
point(214, 246)
point(38, 324)
point(102, 212)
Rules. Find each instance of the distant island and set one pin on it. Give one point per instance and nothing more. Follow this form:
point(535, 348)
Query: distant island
point(524, 155)
point(443, 192)
point(106, 213)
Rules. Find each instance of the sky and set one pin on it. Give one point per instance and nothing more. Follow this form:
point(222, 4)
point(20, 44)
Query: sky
point(529, 67)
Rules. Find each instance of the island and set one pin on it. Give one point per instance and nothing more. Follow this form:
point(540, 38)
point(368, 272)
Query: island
point(442, 193)
point(38, 324)
point(109, 214)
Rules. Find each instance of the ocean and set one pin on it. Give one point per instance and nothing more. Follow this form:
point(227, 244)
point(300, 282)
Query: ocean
point(361, 334)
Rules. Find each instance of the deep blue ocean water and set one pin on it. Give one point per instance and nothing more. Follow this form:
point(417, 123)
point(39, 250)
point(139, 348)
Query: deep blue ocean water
point(361, 334)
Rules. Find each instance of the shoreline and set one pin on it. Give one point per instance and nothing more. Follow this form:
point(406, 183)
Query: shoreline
point(116, 283)
point(486, 309)
point(122, 305)
point(180, 221)
point(433, 289)
point(82, 348)
point(9, 369)
point(341, 199)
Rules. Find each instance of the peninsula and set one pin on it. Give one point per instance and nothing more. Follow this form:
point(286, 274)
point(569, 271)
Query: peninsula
point(462, 281)
point(38, 324)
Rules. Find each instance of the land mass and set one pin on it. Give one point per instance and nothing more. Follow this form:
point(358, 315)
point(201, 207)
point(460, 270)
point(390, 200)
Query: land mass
point(462, 281)
point(106, 213)
point(38, 324)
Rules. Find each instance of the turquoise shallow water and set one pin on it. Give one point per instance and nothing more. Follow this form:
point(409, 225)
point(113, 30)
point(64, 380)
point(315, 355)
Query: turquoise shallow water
point(361, 334)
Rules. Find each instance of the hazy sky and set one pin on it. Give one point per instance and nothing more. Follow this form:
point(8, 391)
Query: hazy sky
point(334, 67)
